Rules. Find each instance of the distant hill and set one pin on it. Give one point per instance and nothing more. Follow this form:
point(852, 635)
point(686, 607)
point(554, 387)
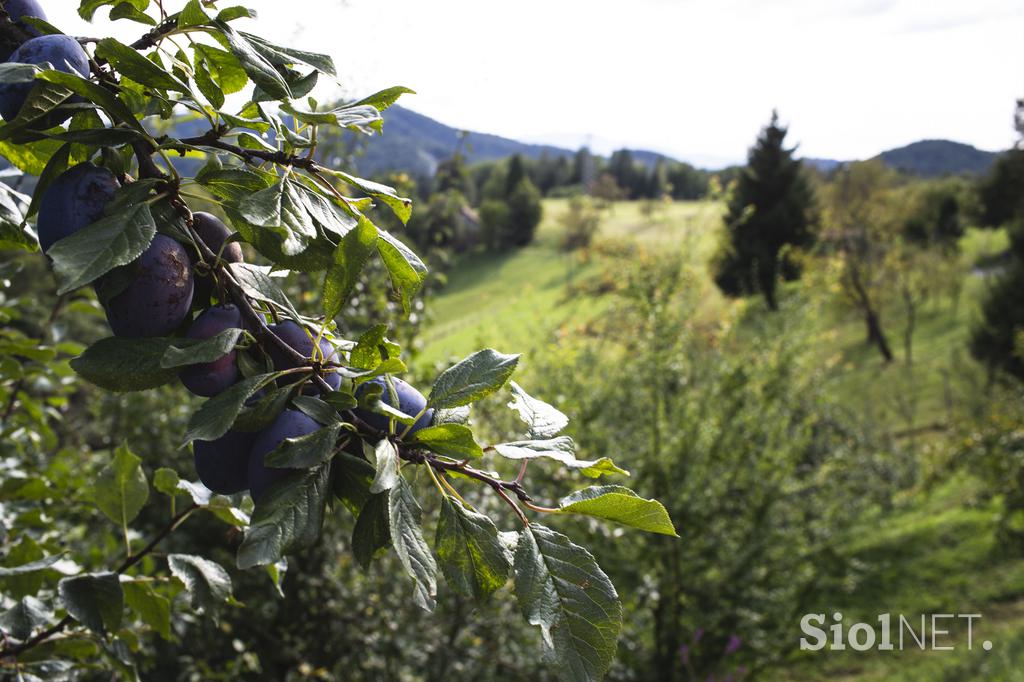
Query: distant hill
point(416, 143)
point(927, 158)
point(938, 157)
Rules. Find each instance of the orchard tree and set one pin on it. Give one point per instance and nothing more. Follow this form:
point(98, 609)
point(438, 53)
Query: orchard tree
point(298, 422)
point(770, 213)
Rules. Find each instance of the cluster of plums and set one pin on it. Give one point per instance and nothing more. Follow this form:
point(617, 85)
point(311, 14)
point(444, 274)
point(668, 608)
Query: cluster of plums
point(159, 292)
point(162, 293)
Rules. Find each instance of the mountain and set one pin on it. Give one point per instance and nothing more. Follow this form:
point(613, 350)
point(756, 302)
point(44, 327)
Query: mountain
point(926, 158)
point(416, 143)
point(930, 158)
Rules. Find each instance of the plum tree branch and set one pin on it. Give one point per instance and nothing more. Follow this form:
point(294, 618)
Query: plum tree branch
point(12, 651)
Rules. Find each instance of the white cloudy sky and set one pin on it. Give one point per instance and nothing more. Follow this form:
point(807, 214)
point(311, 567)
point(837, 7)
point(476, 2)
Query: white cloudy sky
point(692, 78)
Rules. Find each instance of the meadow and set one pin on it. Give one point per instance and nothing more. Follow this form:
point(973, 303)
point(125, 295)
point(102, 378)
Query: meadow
point(934, 550)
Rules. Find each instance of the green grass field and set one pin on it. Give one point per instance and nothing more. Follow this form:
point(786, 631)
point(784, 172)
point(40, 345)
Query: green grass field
point(936, 548)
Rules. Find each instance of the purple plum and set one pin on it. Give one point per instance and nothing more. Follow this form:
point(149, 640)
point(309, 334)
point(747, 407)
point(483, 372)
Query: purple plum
point(156, 302)
point(210, 378)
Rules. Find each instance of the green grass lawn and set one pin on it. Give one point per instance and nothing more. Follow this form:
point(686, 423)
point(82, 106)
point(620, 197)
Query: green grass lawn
point(935, 551)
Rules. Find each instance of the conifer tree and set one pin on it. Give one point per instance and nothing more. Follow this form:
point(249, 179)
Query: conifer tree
point(998, 338)
point(771, 209)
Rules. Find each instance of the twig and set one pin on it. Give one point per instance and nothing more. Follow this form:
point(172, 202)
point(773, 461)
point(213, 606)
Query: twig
point(129, 561)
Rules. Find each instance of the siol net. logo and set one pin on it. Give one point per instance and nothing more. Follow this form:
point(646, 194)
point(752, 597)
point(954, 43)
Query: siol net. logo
point(934, 632)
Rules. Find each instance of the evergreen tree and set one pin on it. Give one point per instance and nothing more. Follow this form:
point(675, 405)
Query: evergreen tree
point(998, 339)
point(516, 172)
point(771, 209)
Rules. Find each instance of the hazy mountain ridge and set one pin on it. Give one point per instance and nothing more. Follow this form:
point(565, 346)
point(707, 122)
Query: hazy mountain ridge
point(415, 143)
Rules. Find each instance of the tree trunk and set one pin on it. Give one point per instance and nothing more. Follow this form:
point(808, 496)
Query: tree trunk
point(876, 335)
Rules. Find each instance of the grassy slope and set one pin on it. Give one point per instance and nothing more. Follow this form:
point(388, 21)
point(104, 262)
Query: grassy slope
point(937, 547)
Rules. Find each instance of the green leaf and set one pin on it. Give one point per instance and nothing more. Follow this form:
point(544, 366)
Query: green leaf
point(544, 421)
point(93, 599)
point(87, 8)
point(276, 573)
point(562, 590)
point(405, 518)
point(386, 457)
point(351, 479)
point(372, 532)
point(385, 98)
point(305, 452)
point(236, 12)
point(225, 69)
point(166, 481)
point(262, 72)
point(24, 576)
point(204, 81)
point(281, 208)
point(287, 517)
point(407, 271)
point(125, 10)
point(256, 282)
point(339, 400)
point(475, 377)
point(14, 72)
point(30, 157)
point(373, 347)
point(622, 505)
point(317, 409)
point(129, 62)
point(450, 440)
point(57, 164)
point(41, 100)
point(208, 584)
point(13, 206)
point(108, 101)
point(203, 350)
point(153, 609)
point(401, 206)
point(282, 56)
point(215, 416)
point(473, 559)
point(102, 246)
point(561, 449)
point(30, 567)
point(259, 416)
point(120, 490)
point(192, 14)
point(22, 619)
point(121, 364)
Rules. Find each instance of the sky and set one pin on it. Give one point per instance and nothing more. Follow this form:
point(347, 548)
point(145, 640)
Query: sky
point(694, 79)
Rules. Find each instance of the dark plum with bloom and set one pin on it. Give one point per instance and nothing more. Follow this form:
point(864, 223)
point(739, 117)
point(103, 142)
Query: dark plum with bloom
point(410, 401)
point(296, 336)
point(61, 51)
point(210, 378)
point(223, 464)
point(76, 198)
point(157, 300)
point(289, 424)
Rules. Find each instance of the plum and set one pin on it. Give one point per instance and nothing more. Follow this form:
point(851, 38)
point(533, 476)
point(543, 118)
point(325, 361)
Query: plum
point(63, 52)
point(157, 300)
point(297, 337)
point(289, 424)
point(223, 464)
point(214, 232)
point(210, 378)
point(410, 401)
point(16, 9)
point(76, 198)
